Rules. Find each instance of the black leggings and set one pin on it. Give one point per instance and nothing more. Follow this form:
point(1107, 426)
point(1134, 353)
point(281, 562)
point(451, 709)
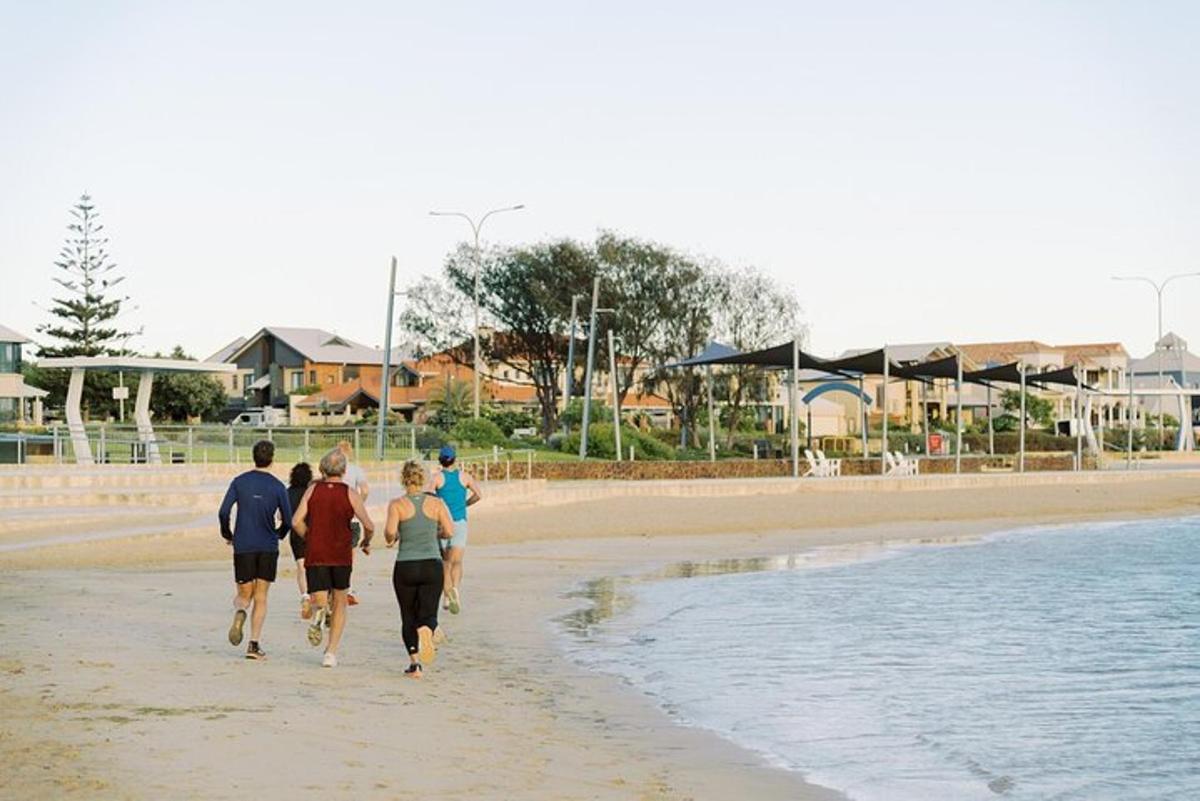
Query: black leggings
point(418, 586)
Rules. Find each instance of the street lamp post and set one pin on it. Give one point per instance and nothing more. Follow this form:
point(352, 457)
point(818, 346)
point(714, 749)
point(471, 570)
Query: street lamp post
point(1158, 290)
point(475, 226)
point(571, 353)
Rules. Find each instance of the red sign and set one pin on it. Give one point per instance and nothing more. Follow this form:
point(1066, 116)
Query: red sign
point(935, 443)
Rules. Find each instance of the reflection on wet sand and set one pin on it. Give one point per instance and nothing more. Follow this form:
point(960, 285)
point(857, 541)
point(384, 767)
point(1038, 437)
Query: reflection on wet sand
point(610, 595)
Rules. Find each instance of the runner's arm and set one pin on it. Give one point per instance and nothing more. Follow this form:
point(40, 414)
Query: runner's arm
point(391, 527)
point(285, 513)
point(360, 511)
point(223, 512)
point(299, 523)
point(476, 496)
point(363, 487)
point(445, 523)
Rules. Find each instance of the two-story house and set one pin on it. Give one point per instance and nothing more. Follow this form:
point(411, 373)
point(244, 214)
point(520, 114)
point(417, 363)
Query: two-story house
point(19, 402)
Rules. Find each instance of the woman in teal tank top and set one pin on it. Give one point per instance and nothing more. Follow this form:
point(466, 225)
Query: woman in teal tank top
point(416, 523)
point(458, 490)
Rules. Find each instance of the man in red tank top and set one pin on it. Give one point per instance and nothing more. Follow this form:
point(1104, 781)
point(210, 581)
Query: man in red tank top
point(323, 519)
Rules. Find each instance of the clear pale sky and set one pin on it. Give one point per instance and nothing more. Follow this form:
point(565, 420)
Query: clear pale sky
point(915, 171)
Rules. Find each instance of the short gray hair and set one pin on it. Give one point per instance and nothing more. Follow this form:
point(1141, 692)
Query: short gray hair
point(333, 463)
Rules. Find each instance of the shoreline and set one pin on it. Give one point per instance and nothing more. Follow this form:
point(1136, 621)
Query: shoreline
point(117, 659)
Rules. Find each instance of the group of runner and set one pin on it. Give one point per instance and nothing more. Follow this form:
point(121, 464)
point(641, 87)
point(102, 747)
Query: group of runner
point(326, 518)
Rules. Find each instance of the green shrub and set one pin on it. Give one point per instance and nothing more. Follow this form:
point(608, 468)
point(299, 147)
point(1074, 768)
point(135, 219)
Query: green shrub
point(572, 416)
point(430, 438)
point(602, 445)
point(508, 419)
point(478, 432)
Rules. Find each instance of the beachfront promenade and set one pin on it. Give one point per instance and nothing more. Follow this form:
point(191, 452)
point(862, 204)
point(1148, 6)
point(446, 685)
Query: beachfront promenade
point(119, 682)
point(52, 505)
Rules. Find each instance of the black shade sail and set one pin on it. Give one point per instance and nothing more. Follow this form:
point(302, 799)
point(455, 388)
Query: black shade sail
point(946, 367)
point(777, 356)
point(1003, 373)
point(712, 351)
point(869, 363)
point(1065, 377)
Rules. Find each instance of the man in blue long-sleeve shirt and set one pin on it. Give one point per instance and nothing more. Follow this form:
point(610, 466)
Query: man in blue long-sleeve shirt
point(261, 500)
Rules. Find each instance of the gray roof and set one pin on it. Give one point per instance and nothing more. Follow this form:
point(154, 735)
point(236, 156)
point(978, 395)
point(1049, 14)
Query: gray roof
point(9, 335)
point(318, 345)
point(227, 351)
point(1148, 365)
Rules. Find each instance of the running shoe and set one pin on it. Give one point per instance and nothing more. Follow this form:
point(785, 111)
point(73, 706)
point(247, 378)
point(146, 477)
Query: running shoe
point(235, 631)
point(414, 671)
point(351, 599)
point(255, 652)
point(315, 631)
point(440, 636)
point(455, 604)
point(445, 601)
point(305, 607)
point(330, 659)
point(426, 651)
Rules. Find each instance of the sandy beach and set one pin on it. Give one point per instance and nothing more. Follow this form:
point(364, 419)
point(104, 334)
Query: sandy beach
point(118, 681)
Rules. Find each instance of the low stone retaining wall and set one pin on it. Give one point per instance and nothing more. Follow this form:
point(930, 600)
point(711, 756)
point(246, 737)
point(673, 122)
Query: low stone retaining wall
point(766, 468)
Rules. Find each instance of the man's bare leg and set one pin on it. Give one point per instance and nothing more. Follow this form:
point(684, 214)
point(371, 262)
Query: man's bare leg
point(241, 602)
point(261, 588)
point(338, 624)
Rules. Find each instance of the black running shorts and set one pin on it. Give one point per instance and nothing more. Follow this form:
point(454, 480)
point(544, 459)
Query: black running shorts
point(322, 578)
point(255, 565)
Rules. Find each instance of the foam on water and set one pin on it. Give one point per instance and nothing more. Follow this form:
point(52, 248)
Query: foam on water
point(1058, 664)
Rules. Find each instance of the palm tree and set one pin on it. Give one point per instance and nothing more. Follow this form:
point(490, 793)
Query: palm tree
point(449, 401)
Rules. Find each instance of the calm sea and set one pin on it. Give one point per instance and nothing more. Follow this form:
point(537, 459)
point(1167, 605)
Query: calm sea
point(1054, 664)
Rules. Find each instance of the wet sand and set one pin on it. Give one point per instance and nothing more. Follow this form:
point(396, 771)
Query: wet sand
point(117, 680)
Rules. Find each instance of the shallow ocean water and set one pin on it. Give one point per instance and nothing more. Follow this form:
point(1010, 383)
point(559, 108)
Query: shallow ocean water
point(1061, 663)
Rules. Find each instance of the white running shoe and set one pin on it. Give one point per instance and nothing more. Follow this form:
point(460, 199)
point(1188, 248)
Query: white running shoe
point(330, 659)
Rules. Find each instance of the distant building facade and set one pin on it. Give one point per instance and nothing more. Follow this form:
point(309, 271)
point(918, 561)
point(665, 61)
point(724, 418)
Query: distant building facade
point(19, 402)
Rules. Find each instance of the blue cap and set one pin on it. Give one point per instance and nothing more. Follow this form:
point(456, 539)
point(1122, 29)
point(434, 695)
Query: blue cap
point(446, 454)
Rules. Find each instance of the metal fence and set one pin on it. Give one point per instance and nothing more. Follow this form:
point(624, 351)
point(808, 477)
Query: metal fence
point(232, 444)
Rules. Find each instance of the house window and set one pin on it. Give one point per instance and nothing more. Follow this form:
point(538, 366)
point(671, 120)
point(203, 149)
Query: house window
point(312, 376)
point(350, 372)
point(297, 379)
point(233, 379)
point(10, 357)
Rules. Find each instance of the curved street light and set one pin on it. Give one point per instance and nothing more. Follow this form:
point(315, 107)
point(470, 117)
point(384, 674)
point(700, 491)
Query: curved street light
point(475, 226)
point(1159, 286)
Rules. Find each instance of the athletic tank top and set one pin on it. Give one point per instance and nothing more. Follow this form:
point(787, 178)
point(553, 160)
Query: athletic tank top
point(453, 494)
point(418, 535)
point(329, 516)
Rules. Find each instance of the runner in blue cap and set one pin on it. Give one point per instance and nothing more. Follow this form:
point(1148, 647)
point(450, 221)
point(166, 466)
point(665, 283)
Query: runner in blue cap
point(458, 490)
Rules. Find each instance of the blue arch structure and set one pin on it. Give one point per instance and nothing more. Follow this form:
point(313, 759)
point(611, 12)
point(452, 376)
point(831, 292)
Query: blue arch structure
point(835, 386)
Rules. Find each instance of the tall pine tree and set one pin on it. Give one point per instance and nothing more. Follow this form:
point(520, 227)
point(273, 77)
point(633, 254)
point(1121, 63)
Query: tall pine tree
point(87, 315)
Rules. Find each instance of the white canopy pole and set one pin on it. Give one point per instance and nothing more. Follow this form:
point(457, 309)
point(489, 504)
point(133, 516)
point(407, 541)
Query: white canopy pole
point(991, 428)
point(883, 408)
point(1129, 417)
point(795, 408)
point(1021, 425)
point(862, 415)
point(1079, 422)
point(79, 440)
point(712, 431)
point(141, 413)
point(958, 427)
point(612, 371)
